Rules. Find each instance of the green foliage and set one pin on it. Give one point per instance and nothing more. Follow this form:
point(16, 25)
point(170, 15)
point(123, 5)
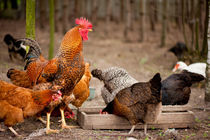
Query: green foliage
point(197, 120)
point(193, 134)
point(143, 61)
point(147, 138)
point(153, 128)
point(205, 134)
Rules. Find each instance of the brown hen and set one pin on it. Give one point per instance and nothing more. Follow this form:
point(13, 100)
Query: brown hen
point(17, 103)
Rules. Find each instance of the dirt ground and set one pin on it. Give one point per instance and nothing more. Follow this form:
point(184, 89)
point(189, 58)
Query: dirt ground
point(141, 60)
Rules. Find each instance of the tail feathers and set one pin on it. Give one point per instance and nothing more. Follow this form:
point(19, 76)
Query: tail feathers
point(34, 50)
point(19, 78)
point(156, 83)
point(97, 73)
point(194, 76)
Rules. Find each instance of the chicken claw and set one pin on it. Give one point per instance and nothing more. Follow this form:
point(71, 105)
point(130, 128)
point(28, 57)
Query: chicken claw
point(42, 120)
point(14, 132)
point(49, 131)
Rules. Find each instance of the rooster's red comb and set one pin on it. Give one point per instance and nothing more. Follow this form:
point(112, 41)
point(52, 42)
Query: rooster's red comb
point(83, 22)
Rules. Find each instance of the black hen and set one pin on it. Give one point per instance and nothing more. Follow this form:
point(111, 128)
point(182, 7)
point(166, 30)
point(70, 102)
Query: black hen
point(176, 88)
point(178, 50)
point(14, 47)
point(140, 102)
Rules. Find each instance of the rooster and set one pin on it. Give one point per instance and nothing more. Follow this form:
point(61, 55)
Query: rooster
point(62, 72)
point(114, 79)
point(81, 92)
point(17, 103)
point(140, 102)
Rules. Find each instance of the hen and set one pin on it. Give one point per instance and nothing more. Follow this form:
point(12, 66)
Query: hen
point(65, 70)
point(141, 102)
point(114, 79)
point(17, 103)
point(179, 50)
point(176, 88)
point(15, 49)
point(81, 90)
point(199, 68)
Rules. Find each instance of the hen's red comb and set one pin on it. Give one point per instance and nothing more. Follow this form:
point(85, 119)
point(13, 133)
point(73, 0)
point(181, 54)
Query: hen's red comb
point(83, 22)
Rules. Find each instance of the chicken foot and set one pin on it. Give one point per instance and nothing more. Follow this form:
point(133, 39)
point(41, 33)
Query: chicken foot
point(14, 132)
point(132, 129)
point(48, 130)
point(42, 120)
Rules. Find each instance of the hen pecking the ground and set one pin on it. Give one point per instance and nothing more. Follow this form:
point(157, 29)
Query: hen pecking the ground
point(17, 103)
point(140, 102)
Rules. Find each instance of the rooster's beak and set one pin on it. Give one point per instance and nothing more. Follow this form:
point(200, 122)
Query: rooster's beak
point(90, 30)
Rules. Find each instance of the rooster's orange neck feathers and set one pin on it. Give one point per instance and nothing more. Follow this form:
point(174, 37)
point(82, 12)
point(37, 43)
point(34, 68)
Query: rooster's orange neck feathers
point(72, 42)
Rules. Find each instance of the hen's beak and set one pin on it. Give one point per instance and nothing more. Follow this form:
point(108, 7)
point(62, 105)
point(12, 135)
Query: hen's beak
point(90, 30)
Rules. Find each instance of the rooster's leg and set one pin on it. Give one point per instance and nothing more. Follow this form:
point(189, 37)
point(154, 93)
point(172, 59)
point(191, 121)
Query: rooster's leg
point(64, 125)
point(132, 129)
point(13, 131)
point(48, 130)
point(42, 120)
point(145, 129)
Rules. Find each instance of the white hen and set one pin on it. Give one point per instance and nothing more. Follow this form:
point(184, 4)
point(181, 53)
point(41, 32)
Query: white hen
point(199, 68)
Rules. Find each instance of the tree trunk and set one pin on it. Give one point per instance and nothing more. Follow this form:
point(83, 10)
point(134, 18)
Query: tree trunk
point(94, 11)
point(42, 5)
point(192, 23)
point(207, 92)
point(141, 21)
point(51, 17)
point(164, 24)
point(122, 10)
point(65, 16)
point(56, 14)
point(183, 23)
point(152, 15)
point(117, 11)
point(108, 15)
point(178, 13)
point(76, 8)
point(201, 17)
point(30, 18)
point(132, 5)
point(128, 19)
point(205, 45)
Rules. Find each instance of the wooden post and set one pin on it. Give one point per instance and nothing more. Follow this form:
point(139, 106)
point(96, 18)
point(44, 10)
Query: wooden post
point(207, 93)
point(51, 48)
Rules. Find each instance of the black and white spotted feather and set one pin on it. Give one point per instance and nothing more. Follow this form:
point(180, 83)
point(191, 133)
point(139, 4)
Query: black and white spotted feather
point(115, 79)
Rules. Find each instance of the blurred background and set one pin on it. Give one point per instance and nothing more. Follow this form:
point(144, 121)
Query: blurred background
point(133, 34)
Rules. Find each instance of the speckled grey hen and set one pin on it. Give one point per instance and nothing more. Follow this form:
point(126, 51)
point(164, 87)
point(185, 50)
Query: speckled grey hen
point(115, 79)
